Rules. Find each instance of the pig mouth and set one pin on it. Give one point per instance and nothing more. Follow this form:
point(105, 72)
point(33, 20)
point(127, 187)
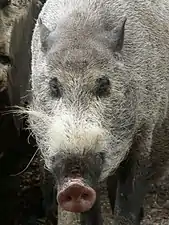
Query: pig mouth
point(76, 197)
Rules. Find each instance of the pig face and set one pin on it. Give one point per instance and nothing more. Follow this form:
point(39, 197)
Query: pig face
point(81, 112)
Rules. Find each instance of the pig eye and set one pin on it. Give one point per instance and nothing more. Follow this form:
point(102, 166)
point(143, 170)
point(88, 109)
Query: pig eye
point(102, 87)
point(55, 87)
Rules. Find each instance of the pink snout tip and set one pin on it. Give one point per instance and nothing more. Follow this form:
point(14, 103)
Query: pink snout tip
point(76, 197)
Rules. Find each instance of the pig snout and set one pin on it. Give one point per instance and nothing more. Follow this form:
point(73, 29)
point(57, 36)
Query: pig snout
point(76, 197)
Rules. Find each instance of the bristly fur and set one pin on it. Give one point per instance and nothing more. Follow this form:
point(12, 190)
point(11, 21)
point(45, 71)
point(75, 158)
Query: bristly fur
point(80, 46)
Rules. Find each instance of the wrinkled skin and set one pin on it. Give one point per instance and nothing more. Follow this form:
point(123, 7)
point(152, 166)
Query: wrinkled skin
point(100, 89)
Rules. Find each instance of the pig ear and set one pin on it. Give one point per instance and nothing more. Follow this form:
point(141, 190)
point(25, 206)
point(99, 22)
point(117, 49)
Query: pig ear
point(118, 35)
point(44, 34)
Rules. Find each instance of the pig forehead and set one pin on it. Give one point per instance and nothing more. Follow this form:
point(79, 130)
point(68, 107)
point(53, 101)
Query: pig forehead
point(78, 71)
point(79, 59)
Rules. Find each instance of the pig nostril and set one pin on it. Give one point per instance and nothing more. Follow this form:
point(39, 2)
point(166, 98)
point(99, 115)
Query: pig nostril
point(69, 198)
